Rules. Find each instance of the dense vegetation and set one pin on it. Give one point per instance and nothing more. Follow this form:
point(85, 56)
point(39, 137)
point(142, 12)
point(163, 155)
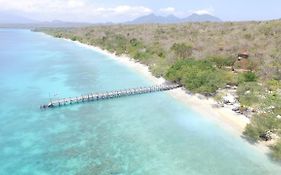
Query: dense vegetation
point(198, 76)
point(202, 57)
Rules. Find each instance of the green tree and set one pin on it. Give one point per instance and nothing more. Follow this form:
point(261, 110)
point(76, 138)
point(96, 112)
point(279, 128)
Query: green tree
point(198, 76)
point(76, 38)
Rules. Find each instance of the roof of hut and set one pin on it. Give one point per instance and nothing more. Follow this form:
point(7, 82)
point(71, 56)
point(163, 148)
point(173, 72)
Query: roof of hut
point(244, 54)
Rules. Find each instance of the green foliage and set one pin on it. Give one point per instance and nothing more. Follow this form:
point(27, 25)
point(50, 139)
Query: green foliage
point(182, 50)
point(58, 35)
point(247, 77)
point(231, 78)
point(252, 133)
point(119, 43)
point(157, 50)
point(229, 61)
point(159, 69)
point(249, 93)
point(267, 121)
point(197, 76)
point(142, 55)
point(135, 43)
point(276, 154)
point(271, 104)
point(259, 125)
point(222, 61)
point(75, 38)
point(273, 85)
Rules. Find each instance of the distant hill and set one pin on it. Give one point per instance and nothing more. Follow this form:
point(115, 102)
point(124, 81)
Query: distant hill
point(59, 23)
point(201, 18)
point(8, 18)
point(20, 22)
point(152, 18)
point(13, 21)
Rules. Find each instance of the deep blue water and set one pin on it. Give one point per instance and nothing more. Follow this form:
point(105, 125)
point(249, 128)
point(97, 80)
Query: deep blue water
point(148, 134)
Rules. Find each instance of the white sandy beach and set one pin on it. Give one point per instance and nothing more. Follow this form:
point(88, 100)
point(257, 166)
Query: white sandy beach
point(223, 116)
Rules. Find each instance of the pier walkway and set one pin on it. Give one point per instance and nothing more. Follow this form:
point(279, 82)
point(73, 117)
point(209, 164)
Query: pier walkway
point(108, 95)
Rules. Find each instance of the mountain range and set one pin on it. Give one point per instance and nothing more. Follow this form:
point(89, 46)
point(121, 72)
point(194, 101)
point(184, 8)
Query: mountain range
point(152, 18)
point(10, 20)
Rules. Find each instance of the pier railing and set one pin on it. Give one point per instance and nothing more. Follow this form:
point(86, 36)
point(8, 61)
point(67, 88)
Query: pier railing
point(108, 95)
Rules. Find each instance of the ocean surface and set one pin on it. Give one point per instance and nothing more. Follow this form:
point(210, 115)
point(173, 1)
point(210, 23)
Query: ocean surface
point(150, 134)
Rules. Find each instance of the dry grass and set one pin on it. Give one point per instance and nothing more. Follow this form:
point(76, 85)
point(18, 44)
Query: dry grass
point(261, 39)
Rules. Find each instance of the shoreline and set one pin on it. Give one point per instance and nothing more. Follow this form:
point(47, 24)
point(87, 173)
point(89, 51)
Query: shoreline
point(222, 116)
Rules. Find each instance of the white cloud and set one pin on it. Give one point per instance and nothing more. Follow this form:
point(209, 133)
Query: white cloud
point(168, 10)
point(171, 11)
point(208, 11)
point(72, 10)
point(85, 10)
point(124, 10)
point(31, 6)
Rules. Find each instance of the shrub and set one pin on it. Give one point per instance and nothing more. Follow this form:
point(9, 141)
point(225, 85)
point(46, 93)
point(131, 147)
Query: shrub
point(141, 55)
point(273, 85)
point(157, 50)
point(75, 38)
point(259, 125)
point(231, 78)
point(247, 77)
point(248, 93)
point(58, 35)
point(182, 50)
point(276, 154)
point(159, 69)
point(135, 43)
point(197, 76)
point(222, 61)
point(272, 100)
point(252, 133)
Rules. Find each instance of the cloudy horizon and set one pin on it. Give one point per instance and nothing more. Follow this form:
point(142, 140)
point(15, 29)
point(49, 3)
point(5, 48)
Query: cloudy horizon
point(97, 11)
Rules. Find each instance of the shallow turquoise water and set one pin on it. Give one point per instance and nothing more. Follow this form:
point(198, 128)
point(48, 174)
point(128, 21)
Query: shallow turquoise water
point(147, 134)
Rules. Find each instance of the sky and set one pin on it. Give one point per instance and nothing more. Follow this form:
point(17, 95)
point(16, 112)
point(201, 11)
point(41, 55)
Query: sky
point(96, 11)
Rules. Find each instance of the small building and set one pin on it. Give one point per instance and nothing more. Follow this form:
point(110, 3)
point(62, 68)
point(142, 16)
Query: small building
point(242, 62)
point(244, 55)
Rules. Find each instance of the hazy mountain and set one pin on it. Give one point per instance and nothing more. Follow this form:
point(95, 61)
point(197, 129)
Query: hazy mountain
point(8, 18)
point(152, 18)
point(59, 23)
point(14, 21)
point(26, 23)
point(201, 18)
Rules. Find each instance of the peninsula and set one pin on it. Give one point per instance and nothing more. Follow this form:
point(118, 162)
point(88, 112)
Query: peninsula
point(237, 64)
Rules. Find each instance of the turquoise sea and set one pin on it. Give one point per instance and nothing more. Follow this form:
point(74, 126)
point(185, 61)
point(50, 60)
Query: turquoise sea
point(150, 134)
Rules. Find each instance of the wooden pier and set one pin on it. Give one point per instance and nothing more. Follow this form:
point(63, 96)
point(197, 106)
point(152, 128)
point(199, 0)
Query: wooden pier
point(108, 95)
